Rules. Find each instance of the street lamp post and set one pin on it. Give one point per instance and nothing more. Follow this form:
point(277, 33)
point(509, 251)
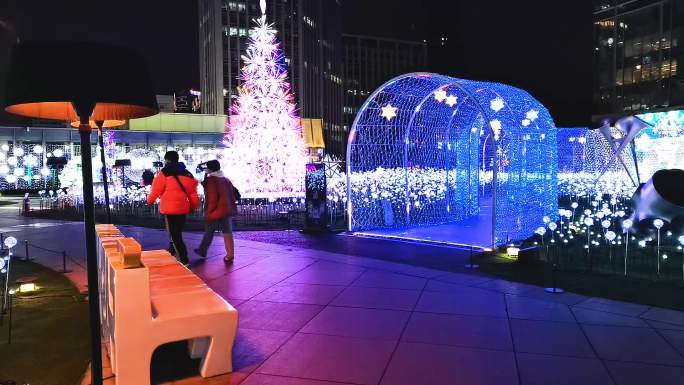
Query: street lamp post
point(42, 84)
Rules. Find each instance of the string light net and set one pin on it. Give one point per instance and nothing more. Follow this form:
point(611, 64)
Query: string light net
point(586, 165)
point(430, 150)
point(264, 154)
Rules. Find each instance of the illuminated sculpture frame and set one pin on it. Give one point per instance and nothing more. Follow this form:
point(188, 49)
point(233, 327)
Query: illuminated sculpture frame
point(426, 149)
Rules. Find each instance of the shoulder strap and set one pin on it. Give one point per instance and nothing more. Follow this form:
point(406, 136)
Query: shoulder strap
point(182, 187)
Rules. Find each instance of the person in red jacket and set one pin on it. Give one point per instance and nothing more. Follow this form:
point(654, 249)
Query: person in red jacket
point(221, 206)
point(176, 189)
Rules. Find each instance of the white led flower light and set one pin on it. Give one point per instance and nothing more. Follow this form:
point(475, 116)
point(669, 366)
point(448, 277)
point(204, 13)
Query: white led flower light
point(10, 242)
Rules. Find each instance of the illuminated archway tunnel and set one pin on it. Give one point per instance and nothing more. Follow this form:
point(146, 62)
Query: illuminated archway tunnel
point(435, 158)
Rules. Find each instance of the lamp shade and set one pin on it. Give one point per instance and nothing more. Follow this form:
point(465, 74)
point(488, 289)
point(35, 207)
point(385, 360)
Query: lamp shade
point(105, 124)
point(46, 79)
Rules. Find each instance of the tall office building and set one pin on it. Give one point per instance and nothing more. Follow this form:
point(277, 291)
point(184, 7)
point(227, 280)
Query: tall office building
point(638, 56)
point(368, 63)
point(310, 36)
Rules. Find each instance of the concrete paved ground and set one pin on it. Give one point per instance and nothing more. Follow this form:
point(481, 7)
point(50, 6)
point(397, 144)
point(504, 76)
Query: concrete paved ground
point(314, 317)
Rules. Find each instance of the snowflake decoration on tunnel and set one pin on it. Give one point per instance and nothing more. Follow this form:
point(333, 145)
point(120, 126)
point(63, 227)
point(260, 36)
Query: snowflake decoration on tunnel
point(451, 100)
point(496, 104)
point(532, 115)
point(440, 95)
point(389, 112)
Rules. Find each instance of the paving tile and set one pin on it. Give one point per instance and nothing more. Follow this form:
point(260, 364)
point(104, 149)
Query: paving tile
point(422, 364)
point(462, 279)
point(375, 278)
point(631, 344)
point(331, 358)
point(263, 379)
point(547, 337)
point(300, 293)
point(277, 316)
point(237, 289)
point(557, 370)
point(285, 263)
point(507, 287)
point(335, 266)
point(665, 315)
point(611, 306)
point(212, 269)
point(459, 330)
point(632, 373)
point(675, 338)
point(490, 304)
point(664, 325)
point(258, 272)
point(566, 298)
point(413, 270)
point(586, 316)
point(225, 379)
point(443, 287)
point(252, 347)
point(530, 308)
point(318, 276)
point(358, 322)
point(377, 298)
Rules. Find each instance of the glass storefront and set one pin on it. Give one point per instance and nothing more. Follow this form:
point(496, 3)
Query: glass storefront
point(637, 55)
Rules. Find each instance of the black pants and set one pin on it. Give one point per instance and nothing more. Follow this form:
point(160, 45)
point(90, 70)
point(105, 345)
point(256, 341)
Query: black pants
point(176, 224)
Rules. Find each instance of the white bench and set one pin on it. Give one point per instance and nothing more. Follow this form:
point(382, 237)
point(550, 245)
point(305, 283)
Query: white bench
point(158, 302)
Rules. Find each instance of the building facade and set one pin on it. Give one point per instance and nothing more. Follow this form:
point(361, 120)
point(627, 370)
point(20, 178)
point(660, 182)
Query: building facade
point(638, 56)
point(368, 63)
point(310, 36)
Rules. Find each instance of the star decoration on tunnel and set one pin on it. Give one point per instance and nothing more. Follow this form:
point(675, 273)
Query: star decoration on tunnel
point(440, 95)
point(451, 100)
point(389, 112)
point(532, 115)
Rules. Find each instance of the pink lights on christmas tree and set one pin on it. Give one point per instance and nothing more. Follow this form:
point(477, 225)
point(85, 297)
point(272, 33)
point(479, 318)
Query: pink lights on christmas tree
point(265, 155)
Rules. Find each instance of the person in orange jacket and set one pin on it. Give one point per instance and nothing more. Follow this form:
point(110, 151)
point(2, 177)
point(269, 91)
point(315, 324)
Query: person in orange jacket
point(176, 189)
point(221, 206)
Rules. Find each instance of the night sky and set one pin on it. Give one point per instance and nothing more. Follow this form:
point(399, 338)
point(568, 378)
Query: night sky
point(541, 46)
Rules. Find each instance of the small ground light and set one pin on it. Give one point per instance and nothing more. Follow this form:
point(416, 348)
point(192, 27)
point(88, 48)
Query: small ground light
point(664, 256)
point(513, 251)
point(28, 287)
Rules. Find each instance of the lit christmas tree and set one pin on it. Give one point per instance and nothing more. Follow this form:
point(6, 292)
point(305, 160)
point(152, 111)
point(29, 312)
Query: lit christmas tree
point(265, 154)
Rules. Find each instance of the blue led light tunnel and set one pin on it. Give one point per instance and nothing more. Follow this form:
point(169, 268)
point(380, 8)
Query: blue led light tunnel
point(446, 160)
